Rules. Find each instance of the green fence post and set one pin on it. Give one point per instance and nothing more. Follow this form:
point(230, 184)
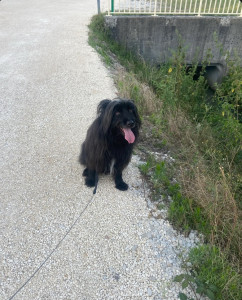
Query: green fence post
point(112, 5)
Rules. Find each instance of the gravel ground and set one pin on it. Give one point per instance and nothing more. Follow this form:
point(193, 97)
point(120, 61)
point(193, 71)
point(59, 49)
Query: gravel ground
point(51, 83)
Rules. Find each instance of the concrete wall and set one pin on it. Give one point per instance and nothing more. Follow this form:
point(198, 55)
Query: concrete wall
point(154, 38)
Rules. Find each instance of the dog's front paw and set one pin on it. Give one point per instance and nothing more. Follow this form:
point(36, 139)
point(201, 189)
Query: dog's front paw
point(122, 186)
point(90, 182)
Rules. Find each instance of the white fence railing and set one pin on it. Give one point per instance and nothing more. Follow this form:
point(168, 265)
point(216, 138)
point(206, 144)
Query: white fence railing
point(176, 7)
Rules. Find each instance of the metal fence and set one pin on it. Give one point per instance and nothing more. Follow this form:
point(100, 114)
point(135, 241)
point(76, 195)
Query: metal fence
point(176, 7)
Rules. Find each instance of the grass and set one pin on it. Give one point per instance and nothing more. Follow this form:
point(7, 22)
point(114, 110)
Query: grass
point(183, 211)
point(204, 135)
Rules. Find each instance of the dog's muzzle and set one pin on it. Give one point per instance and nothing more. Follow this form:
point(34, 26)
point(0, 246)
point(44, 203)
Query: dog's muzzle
point(131, 124)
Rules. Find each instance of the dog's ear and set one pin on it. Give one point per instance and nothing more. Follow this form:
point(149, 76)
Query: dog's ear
point(107, 115)
point(102, 106)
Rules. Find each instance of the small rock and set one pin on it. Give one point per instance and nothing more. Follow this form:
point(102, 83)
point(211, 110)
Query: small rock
point(134, 248)
point(149, 292)
point(152, 278)
point(116, 276)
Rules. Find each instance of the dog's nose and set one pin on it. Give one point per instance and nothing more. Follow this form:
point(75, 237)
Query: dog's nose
point(130, 123)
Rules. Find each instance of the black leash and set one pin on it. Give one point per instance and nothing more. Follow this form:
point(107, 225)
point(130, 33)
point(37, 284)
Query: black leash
point(96, 182)
point(57, 246)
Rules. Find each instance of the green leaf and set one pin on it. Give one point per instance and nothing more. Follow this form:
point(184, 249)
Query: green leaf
point(189, 278)
point(200, 290)
point(183, 296)
point(185, 284)
point(213, 287)
point(179, 278)
point(210, 294)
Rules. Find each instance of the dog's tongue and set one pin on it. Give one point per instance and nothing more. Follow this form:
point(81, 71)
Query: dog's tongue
point(128, 135)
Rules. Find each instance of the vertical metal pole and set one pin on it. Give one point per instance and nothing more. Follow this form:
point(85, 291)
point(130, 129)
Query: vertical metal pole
point(112, 5)
point(200, 8)
point(155, 9)
point(108, 7)
point(237, 12)
point(98, 7)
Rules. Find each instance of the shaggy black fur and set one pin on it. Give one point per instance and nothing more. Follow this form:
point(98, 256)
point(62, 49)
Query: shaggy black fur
point(109, 142)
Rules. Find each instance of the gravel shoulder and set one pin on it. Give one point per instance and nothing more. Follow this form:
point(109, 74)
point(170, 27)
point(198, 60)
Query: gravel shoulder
point(51, 83)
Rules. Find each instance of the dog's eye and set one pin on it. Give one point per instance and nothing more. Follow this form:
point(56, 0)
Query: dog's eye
point(117, 113)
point(131, 110)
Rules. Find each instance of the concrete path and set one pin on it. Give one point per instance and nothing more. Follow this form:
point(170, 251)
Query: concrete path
point(51, 81)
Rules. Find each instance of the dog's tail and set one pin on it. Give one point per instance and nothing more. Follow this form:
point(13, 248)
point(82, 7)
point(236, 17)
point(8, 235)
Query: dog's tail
point(96, 182)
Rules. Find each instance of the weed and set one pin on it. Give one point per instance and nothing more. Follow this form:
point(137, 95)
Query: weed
point(210, 265)
point(208, 273)
point(197, 286)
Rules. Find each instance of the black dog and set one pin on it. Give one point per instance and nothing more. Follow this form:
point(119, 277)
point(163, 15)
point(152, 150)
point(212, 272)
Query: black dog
point(109, 141)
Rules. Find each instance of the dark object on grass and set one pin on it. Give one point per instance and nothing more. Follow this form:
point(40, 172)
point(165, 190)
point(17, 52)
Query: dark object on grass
point(109, 142)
